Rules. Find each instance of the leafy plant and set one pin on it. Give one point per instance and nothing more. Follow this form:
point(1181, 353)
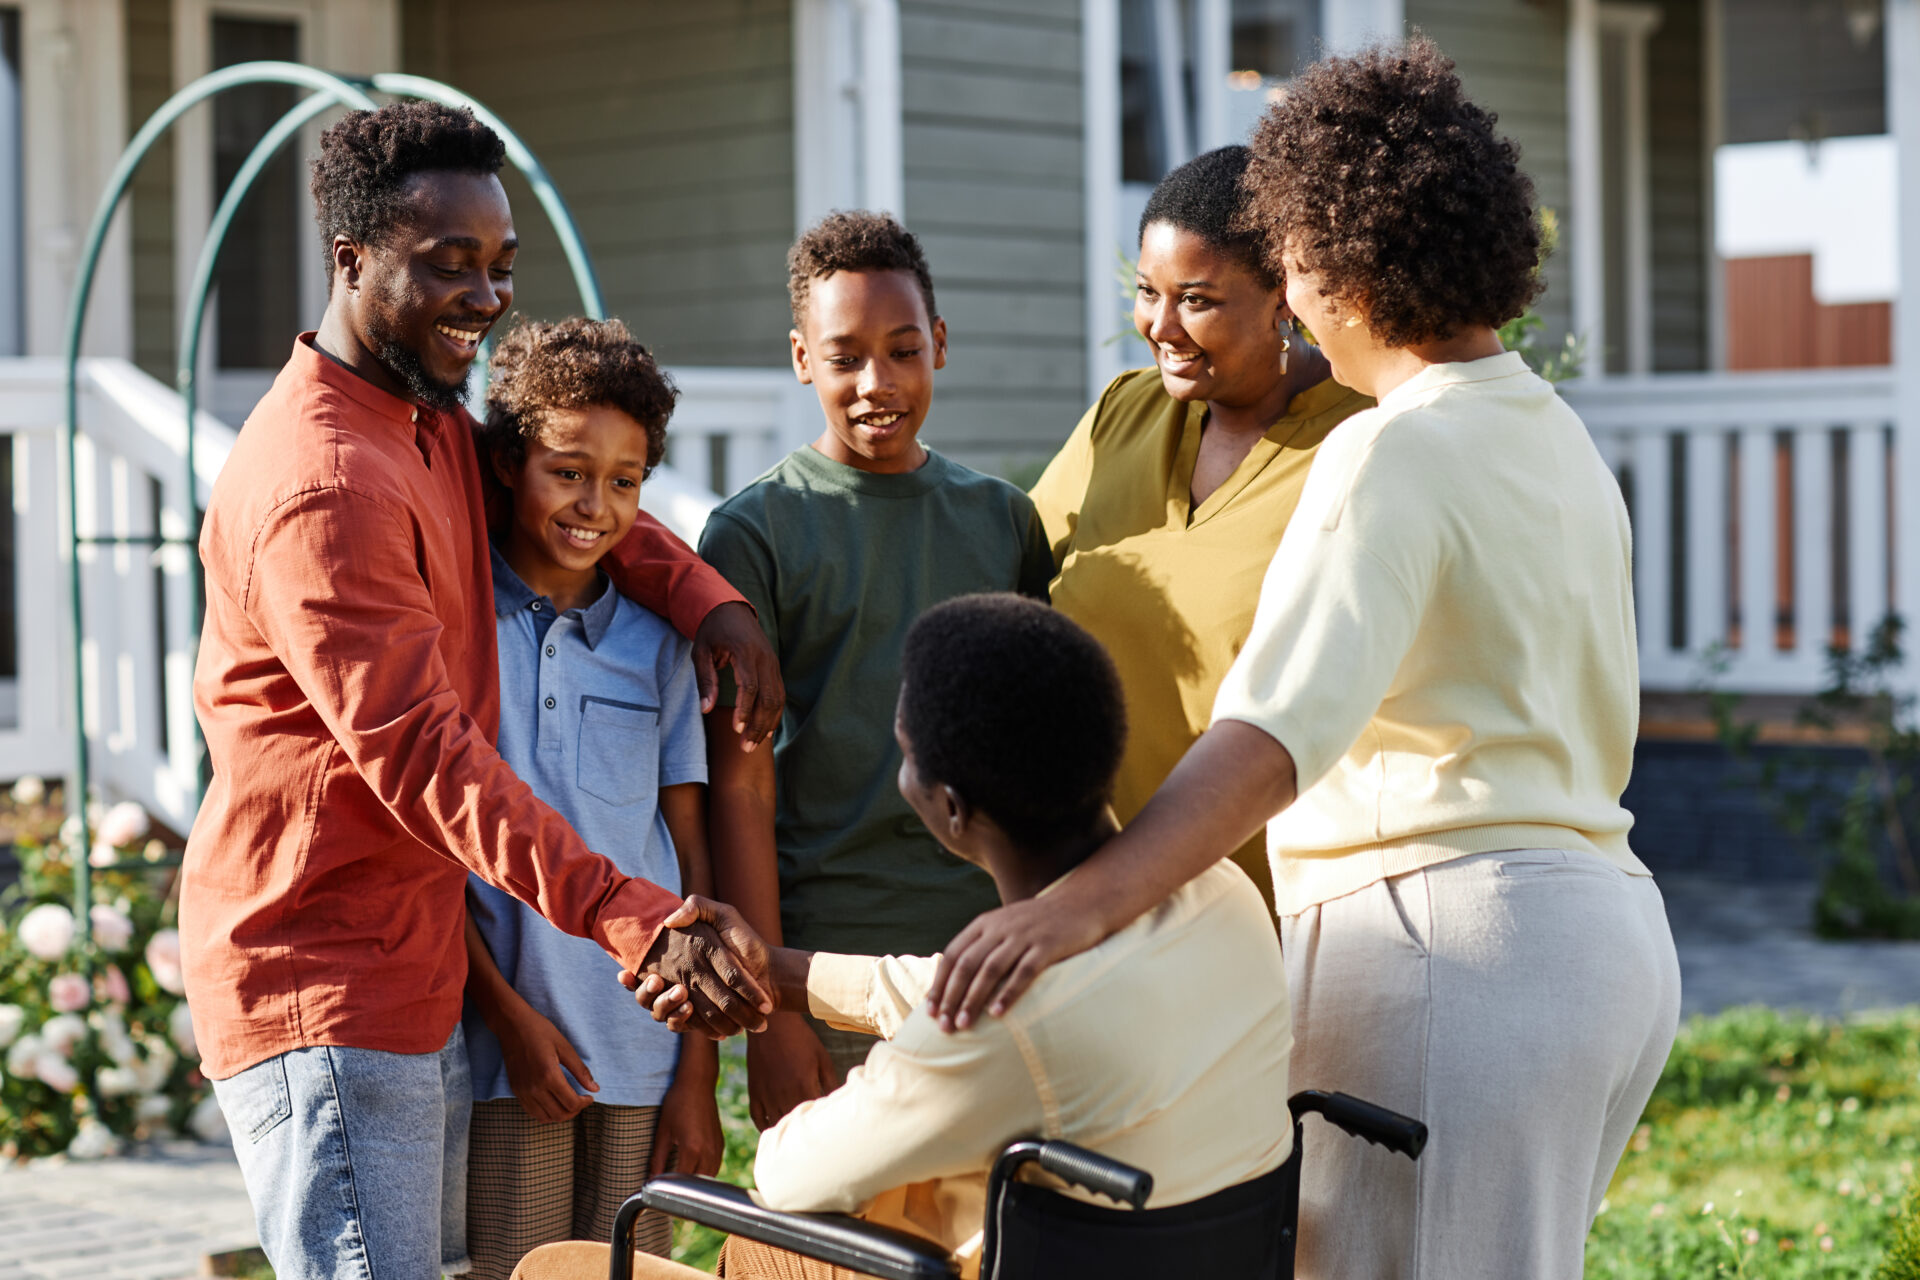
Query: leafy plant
point(1903, 1252)
point(97, 1042)
point(1862, 824)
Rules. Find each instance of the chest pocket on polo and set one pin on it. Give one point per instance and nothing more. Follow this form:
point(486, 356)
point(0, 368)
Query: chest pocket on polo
point(619, 750)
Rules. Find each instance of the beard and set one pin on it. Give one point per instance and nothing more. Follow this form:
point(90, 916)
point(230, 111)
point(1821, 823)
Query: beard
point(404, 363)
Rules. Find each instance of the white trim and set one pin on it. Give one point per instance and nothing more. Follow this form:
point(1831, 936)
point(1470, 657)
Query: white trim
point(1169, 53)
point(1634, 23)
point(1212, 63)
point(74, 116)
point(1100, 178)
point(1903, 122)
point(1585, 227)
point(1713, 119)
point(847, 136)
point(1347, 26)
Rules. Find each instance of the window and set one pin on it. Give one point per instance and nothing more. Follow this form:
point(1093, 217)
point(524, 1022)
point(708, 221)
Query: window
point(1271, 39)
point(12, 302)
point(258, 278)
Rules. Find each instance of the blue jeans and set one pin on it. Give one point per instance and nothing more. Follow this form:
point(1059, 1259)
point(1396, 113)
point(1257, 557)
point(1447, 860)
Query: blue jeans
point(356, 1160)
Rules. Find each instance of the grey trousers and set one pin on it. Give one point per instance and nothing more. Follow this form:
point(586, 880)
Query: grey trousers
point(1523, 1005)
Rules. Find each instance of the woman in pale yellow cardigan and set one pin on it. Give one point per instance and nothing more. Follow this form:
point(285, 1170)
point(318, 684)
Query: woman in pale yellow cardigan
point(1435, 709)
point(1166, 504)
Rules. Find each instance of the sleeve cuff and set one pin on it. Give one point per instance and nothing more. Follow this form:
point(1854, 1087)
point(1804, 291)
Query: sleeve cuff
point(629, 921)
point(837, 990)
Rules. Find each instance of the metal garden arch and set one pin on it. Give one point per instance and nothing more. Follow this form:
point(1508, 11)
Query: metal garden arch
point(329, 91)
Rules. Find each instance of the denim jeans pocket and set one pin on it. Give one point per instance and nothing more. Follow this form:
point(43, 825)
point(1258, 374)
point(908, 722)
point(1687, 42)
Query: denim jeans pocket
point(257, 1100)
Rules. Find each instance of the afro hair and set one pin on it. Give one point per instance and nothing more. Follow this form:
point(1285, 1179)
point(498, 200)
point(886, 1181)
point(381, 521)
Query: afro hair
point(571, 364)
point(853, 240)
point(1018, 709)
point(1206, 196)
point(1377, 173)
point(366, 158)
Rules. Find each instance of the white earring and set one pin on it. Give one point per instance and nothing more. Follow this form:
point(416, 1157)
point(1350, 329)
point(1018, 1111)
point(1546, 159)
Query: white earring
point(1286, 345)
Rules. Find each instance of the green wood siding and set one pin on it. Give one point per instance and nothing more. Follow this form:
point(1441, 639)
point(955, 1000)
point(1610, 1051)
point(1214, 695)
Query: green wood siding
point(669, 129)
point(993, 160)
point(1512, 56)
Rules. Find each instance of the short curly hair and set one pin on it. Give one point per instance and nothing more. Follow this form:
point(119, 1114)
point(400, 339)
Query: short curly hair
point(571, 364)
point(1206, 196)
point(853, 240)
point(1379, 174)
point(1018, 709)
point(367, 156)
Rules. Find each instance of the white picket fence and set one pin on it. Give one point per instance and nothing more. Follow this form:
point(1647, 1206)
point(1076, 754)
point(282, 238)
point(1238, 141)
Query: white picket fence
point(136, 652)
point(1761, 518)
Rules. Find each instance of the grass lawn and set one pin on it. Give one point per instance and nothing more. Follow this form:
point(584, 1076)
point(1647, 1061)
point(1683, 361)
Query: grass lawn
point(1775, 1146)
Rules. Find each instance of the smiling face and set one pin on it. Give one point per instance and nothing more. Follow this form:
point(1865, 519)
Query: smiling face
point(869, 349)
point(574, 497)
point(1213, 324)
point(422, 301)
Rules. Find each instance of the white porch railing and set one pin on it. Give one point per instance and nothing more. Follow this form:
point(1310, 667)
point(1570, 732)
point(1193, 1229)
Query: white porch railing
point(1761, 516)
point(136, 653)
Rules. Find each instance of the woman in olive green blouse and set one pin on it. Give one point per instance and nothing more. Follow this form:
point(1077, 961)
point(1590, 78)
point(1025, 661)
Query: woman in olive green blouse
point(1167, 503)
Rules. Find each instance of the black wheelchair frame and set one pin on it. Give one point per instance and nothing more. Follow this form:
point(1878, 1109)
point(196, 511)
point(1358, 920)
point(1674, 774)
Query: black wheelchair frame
point(892, 1254)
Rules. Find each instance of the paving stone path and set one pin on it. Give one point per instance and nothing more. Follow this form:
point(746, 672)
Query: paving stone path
point(156, 1214)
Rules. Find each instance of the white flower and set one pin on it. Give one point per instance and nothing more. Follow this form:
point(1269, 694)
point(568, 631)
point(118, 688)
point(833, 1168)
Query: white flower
point(116, 1082)
point(151, 1071)
point(29, 791)
point(22, 1054)
point(47, 931)
point(68, 993)
point(62, 1033)
point(206, 1121)
point(12, 1019)
point(124, 823)
point(102, 855)
point(163, 957)
point(56, 1072)
point(180, 1027)
point(93, 1141)
point(114, 1040)
point(112, 929)
point(152, 1108)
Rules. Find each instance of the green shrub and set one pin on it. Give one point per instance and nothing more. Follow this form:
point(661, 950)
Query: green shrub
point(1903, 1252)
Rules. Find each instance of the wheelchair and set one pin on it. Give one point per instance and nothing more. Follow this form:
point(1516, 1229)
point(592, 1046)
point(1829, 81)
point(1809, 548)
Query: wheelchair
point(1035, 1233)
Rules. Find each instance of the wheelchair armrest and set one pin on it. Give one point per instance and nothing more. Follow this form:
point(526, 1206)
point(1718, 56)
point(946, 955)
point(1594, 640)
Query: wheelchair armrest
point(844, 1241)
point(1376, 1124)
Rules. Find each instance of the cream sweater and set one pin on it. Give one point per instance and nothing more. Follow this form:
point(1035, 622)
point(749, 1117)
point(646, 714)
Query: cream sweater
point(1445, 638)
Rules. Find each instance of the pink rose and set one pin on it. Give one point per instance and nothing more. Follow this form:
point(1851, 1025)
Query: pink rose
point(47, 931)
point(111, 928)
point(113, 986)
point(163, 957)
point(68, 993)
point(57, 1073)
point(123, 824)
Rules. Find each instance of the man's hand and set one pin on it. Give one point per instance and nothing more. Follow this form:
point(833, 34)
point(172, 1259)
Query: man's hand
point(725, 976)
point(786, 1066)
point(730, 635)
point(991, 963)
point(535, 1051)
point(688, 1138)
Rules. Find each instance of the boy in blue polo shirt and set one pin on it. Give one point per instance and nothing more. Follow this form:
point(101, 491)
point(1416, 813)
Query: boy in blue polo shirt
point(600, 716)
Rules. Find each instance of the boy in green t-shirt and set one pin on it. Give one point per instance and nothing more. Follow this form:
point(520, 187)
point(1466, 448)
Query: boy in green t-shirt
point(839, 548)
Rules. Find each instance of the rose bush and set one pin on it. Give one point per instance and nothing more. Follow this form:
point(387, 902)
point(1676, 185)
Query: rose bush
point(89, 1065)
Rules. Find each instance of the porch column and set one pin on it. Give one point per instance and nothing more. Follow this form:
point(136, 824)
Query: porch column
point(1903, 122)
point(1100, 176)
point(1585, 234)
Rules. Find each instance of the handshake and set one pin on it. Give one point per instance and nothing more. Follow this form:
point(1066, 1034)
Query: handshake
point(709, 972)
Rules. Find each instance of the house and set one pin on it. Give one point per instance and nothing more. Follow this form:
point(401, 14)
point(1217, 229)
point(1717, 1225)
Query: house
point(1751, 381)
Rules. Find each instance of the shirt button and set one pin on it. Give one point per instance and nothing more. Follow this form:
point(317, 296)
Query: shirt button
point(549, 704)
point(535, 606)
point(549, 651)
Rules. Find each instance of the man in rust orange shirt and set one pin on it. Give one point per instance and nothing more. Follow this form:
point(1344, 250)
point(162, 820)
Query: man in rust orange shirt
point(348, 686)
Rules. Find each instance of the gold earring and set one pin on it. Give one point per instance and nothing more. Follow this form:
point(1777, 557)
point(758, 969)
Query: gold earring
point(1286, 345)
point(1352, 321)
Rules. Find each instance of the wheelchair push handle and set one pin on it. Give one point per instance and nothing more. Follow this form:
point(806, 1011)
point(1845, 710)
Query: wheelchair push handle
point(1083, 1168)
point(1376, 1124)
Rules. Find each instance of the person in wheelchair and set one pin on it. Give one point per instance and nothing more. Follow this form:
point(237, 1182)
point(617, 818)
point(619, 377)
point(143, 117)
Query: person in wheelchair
point(1165, 1047)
